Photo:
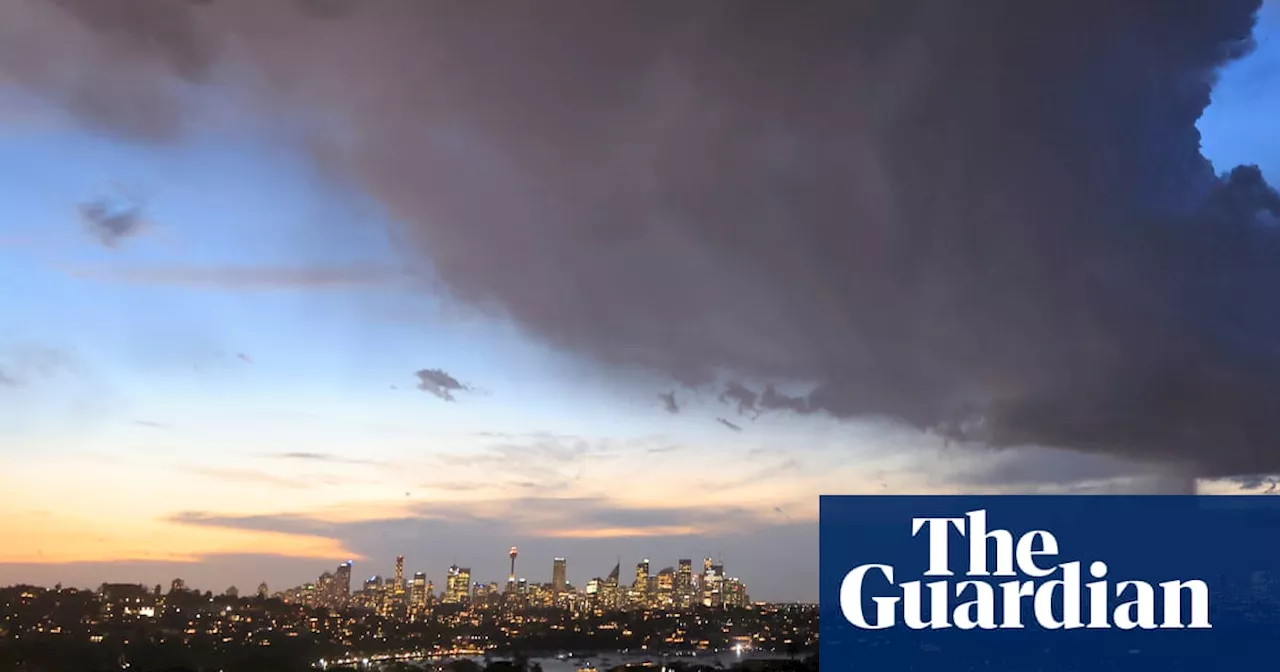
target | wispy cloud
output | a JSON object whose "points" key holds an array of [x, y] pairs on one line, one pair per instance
{"points": [[150, 423], [547, 517], [244, 278], [622, 532], [282, 523], [763, 474], [730, 425], [250, 476], [440, 383], [23, 364], [244, 358], [322, 457], [669, 403]]}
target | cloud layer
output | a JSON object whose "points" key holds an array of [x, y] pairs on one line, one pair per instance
{"points": [[992, 221]]}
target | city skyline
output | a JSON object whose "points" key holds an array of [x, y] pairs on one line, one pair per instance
{"points": [[348, 573], [250, 331]]}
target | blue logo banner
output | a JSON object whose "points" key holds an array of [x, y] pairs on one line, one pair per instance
{"points": [[1048, 583]]}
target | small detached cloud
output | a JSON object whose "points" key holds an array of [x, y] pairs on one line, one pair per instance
{"points": [[440, 383], [7, 380], [669, 403], [730, 425], [111, 221], [244, 358]]}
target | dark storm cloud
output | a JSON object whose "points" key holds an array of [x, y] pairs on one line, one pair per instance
{"points": [[989, 219], [439, 383], [1038, 469], [111, 222]]}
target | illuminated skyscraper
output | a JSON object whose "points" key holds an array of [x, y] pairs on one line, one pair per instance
{"points": [[684, 583], [712, 578], [342, 583], [665, 587], [640, 586], [642, 575], [733, 593], [511, 578], [398, 589], [418, 593], [458, 585], [558, 577], [325, 593]]}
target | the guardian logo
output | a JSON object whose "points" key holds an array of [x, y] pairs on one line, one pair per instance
{"points": [[1054, 590]]}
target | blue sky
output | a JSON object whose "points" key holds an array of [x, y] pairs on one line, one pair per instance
{"points": [[195, 400]]}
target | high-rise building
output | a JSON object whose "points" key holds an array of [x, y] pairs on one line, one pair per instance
{"points": [[558, 576], [665, 587], [342, 583], [733, 593], [611, 597], [325, 593], [642, 575], [398, 588], [511, 578], [684, 583], [458, 585], [418, 593], [712, 578], [640, 586]]}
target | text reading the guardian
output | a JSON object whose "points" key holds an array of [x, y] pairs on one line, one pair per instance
{"points": [[1049, 583], [1031, 555]]}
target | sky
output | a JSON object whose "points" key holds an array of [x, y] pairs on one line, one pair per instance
{"points": [[222, 358]]}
